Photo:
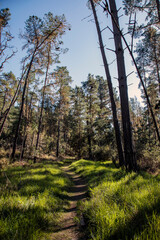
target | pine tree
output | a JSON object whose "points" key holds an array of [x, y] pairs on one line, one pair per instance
{"points": [[108, 76], [77, 125], [90, 89], [36, 36], [62, 80]]}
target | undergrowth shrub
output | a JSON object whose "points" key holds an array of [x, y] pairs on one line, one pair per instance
{"points": [[150, 160]]}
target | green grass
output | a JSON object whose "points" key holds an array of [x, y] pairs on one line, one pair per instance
{"points": [[121, 205], [32, 199]]}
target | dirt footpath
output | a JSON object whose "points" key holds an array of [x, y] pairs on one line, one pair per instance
{"points": [[69, 230]]}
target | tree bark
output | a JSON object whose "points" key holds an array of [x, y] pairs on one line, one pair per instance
{"points": [[139, 75], [4, 102], [22, 104], [42, 106], [58, 139], [108, 76], [157, 65], [27, 121], [89, 140], [130, 160], [158, 9], [11, 104]]}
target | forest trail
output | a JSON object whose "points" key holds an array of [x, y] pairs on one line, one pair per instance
{"points": [[68, 229]]}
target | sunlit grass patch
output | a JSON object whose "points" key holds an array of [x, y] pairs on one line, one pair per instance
{"points": [[31, 200], [122, 205]]}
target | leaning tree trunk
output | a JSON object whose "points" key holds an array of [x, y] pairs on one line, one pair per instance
{"points": [[22, 105], [157, 65], [158, 9], [11, 104], [111, 94], [42, 106], [24, 88], [130, 160], [138, 72]]}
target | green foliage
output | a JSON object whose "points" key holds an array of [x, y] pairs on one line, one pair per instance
{"points": [[122, 205], [31, 200], [4, 17]]}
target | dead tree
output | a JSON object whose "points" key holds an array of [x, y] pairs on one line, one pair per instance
{"points": [[108, 76]]}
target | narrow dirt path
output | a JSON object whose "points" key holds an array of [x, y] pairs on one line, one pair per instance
{"points": [[69, 230]]}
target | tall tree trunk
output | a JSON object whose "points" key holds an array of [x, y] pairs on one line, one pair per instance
{"points": [[158, 9], [23, 146], [0, 36], [130, 160], [108, 76], [58, 139], [4, 102], [157, 65], [22, 105], [38, 45], [138, 72], [79, 141], [11, 104], [89, 140], [42, 105], [27, 121]]}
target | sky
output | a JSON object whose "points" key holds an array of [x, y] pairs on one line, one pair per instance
{"points": [[83, 56]]}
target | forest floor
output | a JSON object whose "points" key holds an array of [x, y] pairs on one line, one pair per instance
{"points": [[69, 229]]}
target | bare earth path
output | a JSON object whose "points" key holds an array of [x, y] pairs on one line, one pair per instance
{"points": [[69, 230]]}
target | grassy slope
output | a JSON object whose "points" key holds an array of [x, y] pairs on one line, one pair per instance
{"points": [[31, 200], [122, 205]]}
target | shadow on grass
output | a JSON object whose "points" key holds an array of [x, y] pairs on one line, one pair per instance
{"points": [[20, 224], [137, 224], [97, 176], [27, 216], [141, 219]]}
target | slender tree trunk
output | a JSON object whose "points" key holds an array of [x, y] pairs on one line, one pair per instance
{"points": [[24, 88], [4, 102], [139, 75], [11, 104], [42, 105], [23, 146], [27, 121], [157, 66], [22, 105], [89, 141], [25, 128], [58, 139], [108, 76], [79, 142], [158, 9], [0, 37], [130, 160]]}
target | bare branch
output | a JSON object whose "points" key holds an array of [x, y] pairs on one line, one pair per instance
{"points": [[86, 17], [132, 37], [6, 59], [110, 50], [129, 74], [112, 62], [104, 29]]}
